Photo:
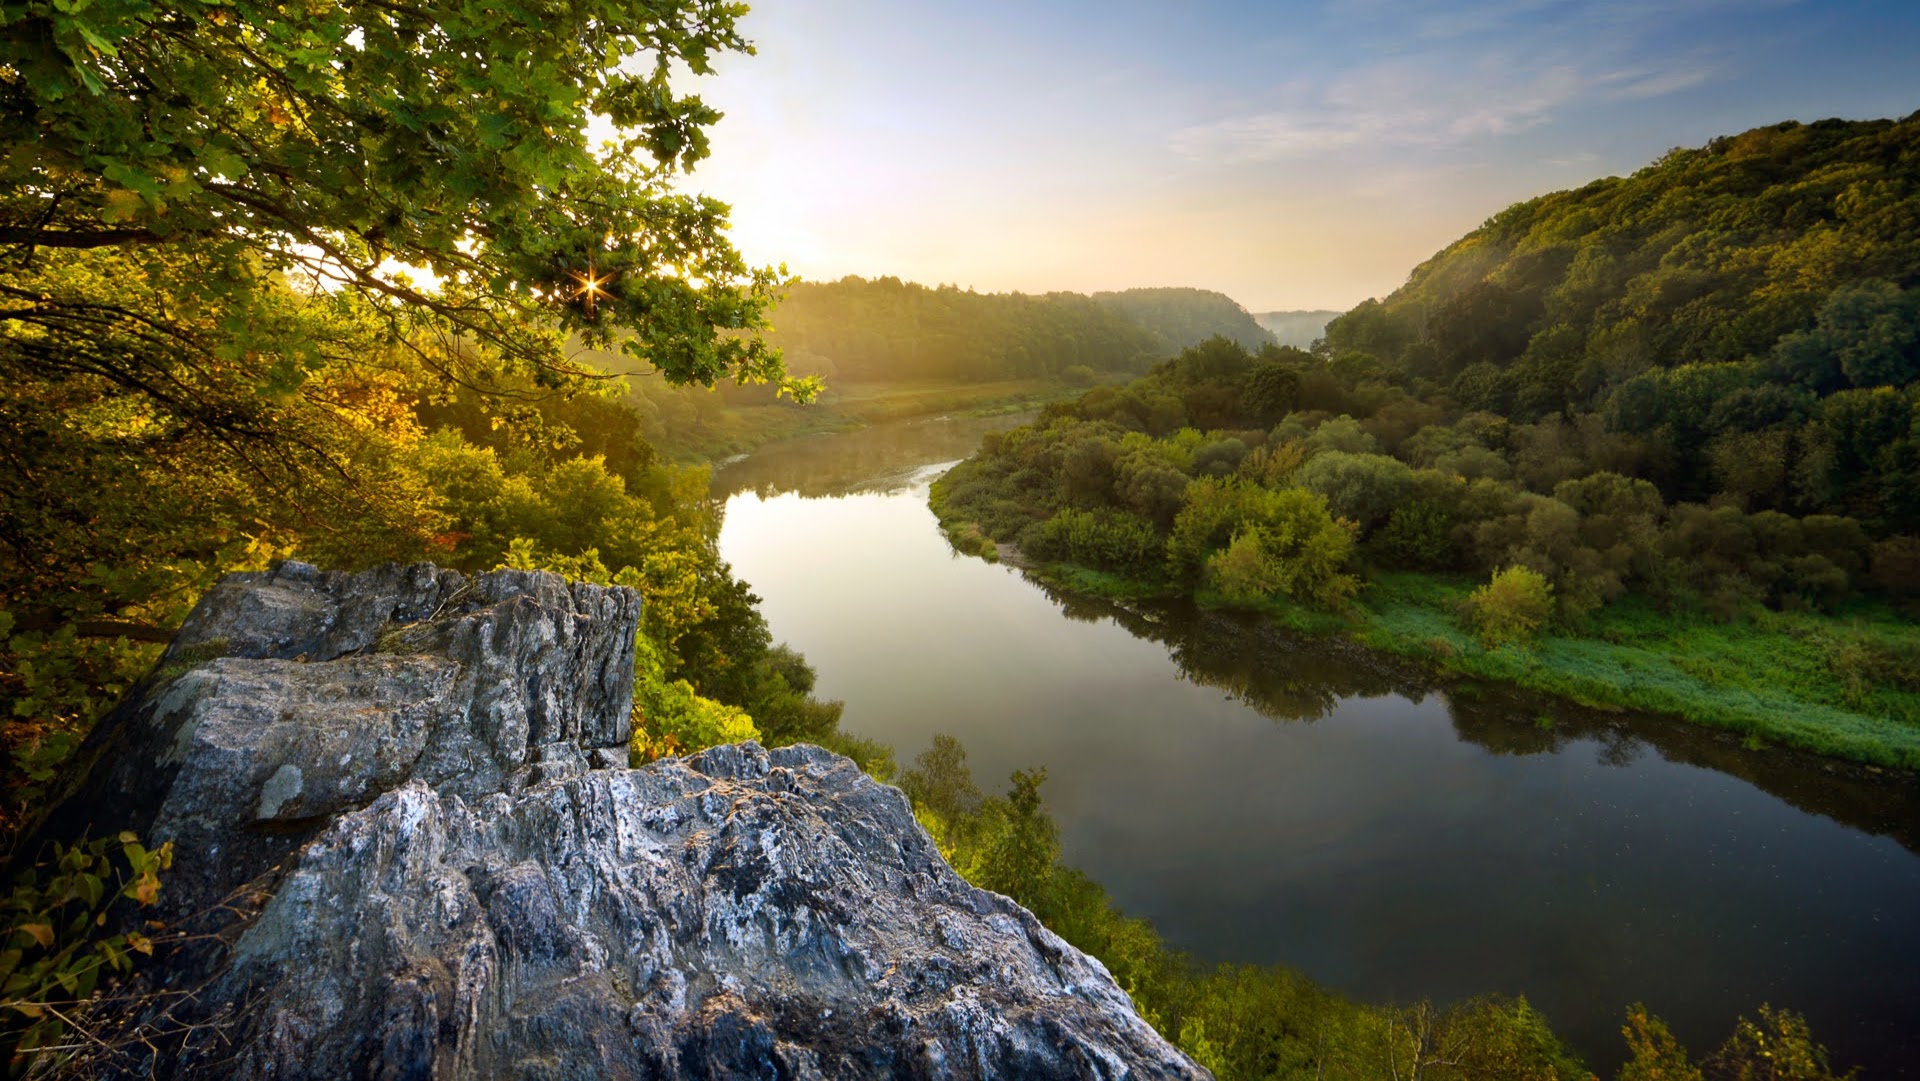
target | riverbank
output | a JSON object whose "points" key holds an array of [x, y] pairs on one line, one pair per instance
{"points": [[1843, 685], [712, 427]]}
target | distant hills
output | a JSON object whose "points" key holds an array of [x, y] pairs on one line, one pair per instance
{"points": [[865, 330], [1298, 329], [1185, 317]]}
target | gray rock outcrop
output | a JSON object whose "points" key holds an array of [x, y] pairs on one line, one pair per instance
{"points": [[409, 848]]}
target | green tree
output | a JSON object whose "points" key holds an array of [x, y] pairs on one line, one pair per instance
{"points": [[332, 140], [1363, 487], [1019, 860], [1653, 1053], [1777, 1047], [240, 242], [1291, 545], [1512, 606]]}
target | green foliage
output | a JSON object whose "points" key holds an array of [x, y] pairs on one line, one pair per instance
{"points": [[1275, 542], [1653, 1053], [1211, 513], [1777, 1047], [671, 718], [1418, 535], [1363, 488], [329, 139], [1295, 549], [1104, 538], [57, 953], [1511, 607]]}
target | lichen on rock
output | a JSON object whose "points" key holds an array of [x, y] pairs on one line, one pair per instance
{"points": [[418, 776]]}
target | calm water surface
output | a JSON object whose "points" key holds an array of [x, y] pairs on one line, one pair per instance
{"points": [[1263, 799]]}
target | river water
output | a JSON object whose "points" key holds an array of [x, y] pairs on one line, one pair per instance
{"points": [[1266, 799]]}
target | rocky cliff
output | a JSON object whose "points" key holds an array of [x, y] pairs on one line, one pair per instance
{"points": [[408, 847]]}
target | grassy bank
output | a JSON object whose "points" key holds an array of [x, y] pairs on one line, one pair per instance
{"points": [[1831, 684], [1844, 685]]}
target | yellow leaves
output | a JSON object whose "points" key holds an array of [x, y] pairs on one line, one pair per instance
{"points": [[41, 933], [145, 888], [378, 401], [262, 550], [122, 205]]}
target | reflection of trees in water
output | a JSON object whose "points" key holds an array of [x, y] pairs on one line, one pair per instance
{"points": [[883, 458], [1288, 678], [1282, 678], [1507, 721]]}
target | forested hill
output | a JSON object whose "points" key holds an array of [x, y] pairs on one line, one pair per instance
{"points": [[1752, 301], [1187, 317], [1649, 409], [857, 329]]}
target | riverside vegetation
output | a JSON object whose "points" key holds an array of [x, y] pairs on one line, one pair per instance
{"points": [[1654, 443], [210, 366]]}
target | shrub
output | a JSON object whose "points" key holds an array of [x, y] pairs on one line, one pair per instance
{"points": [[57, 954], [1418, 536], [1363, 487], [1291, 546], [1104, 538], [1512, 606]]}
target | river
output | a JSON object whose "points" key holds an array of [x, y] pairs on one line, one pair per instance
{"points": [[1266, 799]]}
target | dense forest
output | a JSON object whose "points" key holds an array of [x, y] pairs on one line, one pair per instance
{"points": [[1669, 424]]}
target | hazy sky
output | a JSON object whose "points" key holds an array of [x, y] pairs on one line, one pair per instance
{"points": [[1291, 155]]}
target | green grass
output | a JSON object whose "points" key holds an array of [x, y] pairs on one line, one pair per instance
{"points": [[1098, 583], [1772, 675]]}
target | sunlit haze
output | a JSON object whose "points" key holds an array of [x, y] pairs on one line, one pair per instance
{"points": [[1289, 155]]}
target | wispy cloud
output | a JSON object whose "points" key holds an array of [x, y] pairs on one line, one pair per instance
{"points": [[1420, 103], [1632, 85]]}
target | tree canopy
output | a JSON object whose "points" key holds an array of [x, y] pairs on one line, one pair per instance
{"points": [[340, 141]]}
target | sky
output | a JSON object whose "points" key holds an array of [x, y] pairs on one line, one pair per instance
{"points": [[1291, 155]]}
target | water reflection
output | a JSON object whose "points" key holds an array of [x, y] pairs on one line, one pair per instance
{"points": [[1288, 677], [883, 458]]}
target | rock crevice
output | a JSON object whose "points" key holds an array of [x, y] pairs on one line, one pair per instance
{"points": [[420, 775]]}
